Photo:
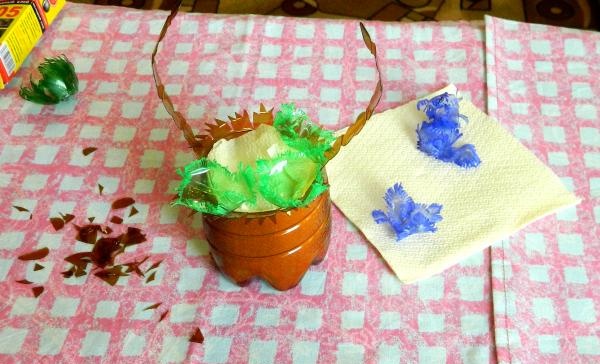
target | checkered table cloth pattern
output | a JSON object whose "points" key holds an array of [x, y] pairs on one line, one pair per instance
{"points": [[542, 85], [348, 309]]}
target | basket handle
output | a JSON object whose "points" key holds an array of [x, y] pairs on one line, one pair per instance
{"points": [[178, 118], [361, 120], [198, 148]]}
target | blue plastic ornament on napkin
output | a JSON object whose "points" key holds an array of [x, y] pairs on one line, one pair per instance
{"points": [[437, 136], [405, 216]]}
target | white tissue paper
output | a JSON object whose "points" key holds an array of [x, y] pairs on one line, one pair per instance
{"points": [[262, 143]]}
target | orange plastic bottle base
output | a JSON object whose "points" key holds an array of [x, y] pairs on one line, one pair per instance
{"points": [[278, 248]]}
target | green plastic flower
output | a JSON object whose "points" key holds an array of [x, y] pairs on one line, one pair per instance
{"points": [[269, 176], [208, 187], [290, 180], [300, 133], [58, 83]]}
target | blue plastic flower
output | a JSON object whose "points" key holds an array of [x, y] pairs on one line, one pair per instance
{"points": [[437, 136], [442, 108], [405, 216]]}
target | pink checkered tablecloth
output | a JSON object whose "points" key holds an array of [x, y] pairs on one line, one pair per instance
{"points": [[348, 309], [542, 84]]}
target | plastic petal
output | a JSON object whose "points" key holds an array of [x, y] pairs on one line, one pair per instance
{"points": [[466, 156], [379, 216]]}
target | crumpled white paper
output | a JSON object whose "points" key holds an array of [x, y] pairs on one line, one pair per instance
{"points": [[262, 143]]}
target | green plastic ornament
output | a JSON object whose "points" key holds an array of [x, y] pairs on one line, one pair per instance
{"points": [[300, 133], [58, 83], [208, 187], [290, 180]]}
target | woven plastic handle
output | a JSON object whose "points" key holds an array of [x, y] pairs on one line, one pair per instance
{"points": [[361, 120], [178, 118]]}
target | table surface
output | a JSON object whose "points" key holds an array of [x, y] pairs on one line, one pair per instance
{"points": [[546, 309], [348, 309]]}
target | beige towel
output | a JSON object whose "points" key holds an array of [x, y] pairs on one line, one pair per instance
{"points": [[510, 189]]}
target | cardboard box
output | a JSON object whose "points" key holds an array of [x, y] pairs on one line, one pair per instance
{"points": [[22, 23]]}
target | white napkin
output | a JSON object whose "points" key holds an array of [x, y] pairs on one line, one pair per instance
{"points": [[510, 189]]}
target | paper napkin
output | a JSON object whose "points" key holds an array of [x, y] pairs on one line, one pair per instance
{"points": [[510, 189]]}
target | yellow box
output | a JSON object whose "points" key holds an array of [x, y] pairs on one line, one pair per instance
{"points": [[22, 23]]}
